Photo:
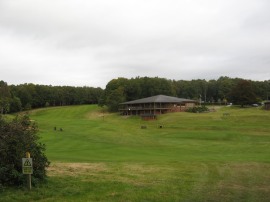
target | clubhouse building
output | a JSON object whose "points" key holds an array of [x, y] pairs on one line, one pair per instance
{"points": [[152, 106]]}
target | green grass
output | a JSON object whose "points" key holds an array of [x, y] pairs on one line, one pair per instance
{"points": [[193, 157]]}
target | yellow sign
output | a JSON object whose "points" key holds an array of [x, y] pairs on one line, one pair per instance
{"points": [[27, 170], [27, 166]]}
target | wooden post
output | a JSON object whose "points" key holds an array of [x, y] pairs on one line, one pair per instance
{"points": [[28, 175]]}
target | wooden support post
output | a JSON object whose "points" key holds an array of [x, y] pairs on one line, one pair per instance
{"points": [[28, 175]]}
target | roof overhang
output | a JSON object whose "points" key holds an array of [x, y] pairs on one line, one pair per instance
{"points": [[160, 99]]}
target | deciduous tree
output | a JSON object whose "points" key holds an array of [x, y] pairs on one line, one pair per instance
{"points": [[243, 93], [16, 138]]}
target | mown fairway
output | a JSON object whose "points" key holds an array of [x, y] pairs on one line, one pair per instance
{"points": [[218, 156]]}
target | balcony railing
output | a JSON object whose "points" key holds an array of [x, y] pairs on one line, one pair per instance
{"points": [[144, 108]]}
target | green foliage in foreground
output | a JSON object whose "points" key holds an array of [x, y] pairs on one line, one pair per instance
{"points": [[16, 138], [219, 156]]}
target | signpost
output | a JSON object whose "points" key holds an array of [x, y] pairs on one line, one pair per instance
{"points": [[27, 168]]}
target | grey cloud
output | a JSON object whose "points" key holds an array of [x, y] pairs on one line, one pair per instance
{"points": [[90, 42]]}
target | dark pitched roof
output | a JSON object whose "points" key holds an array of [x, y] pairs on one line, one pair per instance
{"points": [[159, 99]]}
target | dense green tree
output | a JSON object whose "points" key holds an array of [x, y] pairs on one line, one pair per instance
{"points": [[16, 138], [24, 94], [262, 89], [199, 88], [15, 105], [224, 84], [212, 91], [266, 93], [243, 93], [5, 97], [114, 98], [183, 89], [155, 86], [115, 93], [115, 84], [133, 89]]}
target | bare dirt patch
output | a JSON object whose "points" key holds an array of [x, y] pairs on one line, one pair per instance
{"points": [[135, 174], [97, 115], [71, 169]]}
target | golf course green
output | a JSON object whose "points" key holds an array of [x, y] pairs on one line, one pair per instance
{"points": [[223, 155]]}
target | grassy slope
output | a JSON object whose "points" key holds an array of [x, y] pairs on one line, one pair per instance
{"points": [[193, 157], [242, 136]]}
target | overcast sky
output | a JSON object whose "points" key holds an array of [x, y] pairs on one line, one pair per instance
{"points": [[90, 42]]}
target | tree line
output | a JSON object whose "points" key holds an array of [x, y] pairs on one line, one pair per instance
{"points": [[220, 91], [14, 98]]}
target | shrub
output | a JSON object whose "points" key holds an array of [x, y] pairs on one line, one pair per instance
{"points": [[16, 138], [199, 109]]}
